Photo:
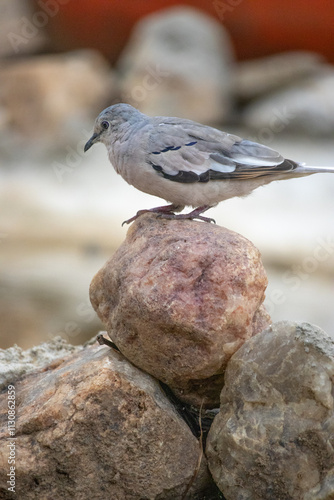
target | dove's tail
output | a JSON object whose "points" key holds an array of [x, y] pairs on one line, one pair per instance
{"points": [[303, 169]]}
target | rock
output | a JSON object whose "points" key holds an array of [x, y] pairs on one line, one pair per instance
{"points": [[304, 108], [57, 91], [273, 437], [94, 426], [16, 363], [173, 59], [256, 77], [179, 298], [261, 320]]}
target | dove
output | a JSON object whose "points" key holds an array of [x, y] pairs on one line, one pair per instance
{"points": [[187, 163]]}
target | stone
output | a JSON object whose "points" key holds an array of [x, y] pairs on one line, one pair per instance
{"points": [[306, 107], [256, 77], [16, 363], [56, 90], [261, 320], [94, 426], [177, 63], [180, 297], [273, 437]]}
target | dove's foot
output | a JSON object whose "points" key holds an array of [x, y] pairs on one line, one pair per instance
{"points": [[166, 210], [195, 214]]}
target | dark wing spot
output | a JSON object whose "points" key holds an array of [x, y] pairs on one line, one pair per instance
{"points": [[168, 148], [205, 177], [182, 176], [156, 167], [172, 148]]}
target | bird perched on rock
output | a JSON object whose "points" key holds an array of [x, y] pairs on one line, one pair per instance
{"points": [[186, 163]]}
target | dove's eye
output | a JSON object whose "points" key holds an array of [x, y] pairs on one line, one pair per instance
{"points": [[105, 125]]}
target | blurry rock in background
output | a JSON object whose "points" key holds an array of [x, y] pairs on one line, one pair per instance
{"points": [[43, 294], [178, 62], [49, 99], [256, 77], [305, 107], [18, 34]]}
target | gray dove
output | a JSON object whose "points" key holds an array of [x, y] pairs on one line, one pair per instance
{"points": [[186, 163]]}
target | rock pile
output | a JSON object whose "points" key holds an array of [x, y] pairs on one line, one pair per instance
{"points": [[182, 301]]}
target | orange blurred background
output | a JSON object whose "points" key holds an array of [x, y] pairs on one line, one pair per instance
{"points": [[257, 28]]}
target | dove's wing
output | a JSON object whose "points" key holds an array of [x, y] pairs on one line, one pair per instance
{"points": [[184, 151]]}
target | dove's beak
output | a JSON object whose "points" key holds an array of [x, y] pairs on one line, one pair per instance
{"points": [[91, 141]]}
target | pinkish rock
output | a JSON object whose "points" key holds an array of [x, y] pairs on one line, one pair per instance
{"points": [[179, 298]]}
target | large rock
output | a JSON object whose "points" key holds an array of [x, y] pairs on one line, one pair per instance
{"points": [[177, 63], [273, 437], [92, 426], [179, 298]]}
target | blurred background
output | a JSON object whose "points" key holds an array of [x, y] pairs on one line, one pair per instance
{"points": [[263, 70]]}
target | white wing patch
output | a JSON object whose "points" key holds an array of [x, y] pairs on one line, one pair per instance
{"points": [[256, 161], [219, 167]]}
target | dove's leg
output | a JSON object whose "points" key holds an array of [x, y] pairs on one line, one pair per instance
{"points": [[165, 210]]}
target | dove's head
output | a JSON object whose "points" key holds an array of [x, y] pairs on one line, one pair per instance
{"points": [[110, 121]]}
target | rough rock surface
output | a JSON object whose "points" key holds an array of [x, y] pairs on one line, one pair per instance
{"points": [[93, 426], [179, 298], [177, 63], [274, 436], [15, 363]]}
